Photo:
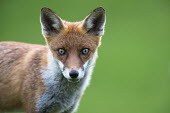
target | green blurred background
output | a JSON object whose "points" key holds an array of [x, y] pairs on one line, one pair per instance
{"points": [[132, 74]]}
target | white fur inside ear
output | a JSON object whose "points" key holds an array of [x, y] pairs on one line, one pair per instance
{"points": [[95, 23], [56, 26], [44, 32], [57, 23], [51, 24], [89, 23]]}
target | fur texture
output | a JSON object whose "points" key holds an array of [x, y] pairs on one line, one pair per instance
{"points": [[62, 95], [36, 78]]}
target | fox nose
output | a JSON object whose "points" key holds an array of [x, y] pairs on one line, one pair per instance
{"points": [[74, 74]]}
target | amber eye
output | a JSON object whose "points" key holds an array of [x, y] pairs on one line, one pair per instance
{"points": [[61, 51], [85, 51]]}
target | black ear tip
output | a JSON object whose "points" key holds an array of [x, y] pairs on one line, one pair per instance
{"points": [[44, 9], [99, 9]]}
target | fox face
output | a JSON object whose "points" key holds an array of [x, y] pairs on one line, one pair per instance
{"points": [[73, 44]]}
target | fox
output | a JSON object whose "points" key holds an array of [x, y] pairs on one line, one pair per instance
{"points": [[51, 78]]}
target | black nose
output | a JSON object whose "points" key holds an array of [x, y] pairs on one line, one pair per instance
{"points": [[74, 74]]}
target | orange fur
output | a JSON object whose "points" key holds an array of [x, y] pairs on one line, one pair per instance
{"points": [[15, 61], [20, 64], [73, 38], [21, 83]]}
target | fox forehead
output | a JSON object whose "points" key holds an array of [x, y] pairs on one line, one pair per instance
{"points": [[73, 40], [73, 36]]}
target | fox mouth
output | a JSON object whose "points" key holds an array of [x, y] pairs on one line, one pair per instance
{"points": [[73, 80]]}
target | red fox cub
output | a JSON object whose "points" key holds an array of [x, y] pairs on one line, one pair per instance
{"points": [[52, 78]]}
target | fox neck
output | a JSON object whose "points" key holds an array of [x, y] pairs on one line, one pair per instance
{"points": [[58, 89]]}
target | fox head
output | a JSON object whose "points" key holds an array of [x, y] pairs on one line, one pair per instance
{"points": [[73, 44]]}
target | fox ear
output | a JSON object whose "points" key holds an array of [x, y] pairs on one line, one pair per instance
{"points": [[94, 23], [51, 24]]}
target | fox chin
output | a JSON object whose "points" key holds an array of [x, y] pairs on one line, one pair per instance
{"points": [[51, 78]]}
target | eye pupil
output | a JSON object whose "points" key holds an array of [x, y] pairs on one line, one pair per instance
{"points": [[85, 51], [61, 51]]}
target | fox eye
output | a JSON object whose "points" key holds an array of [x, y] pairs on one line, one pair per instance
{"points": [[61, 51], [85, 51]]}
